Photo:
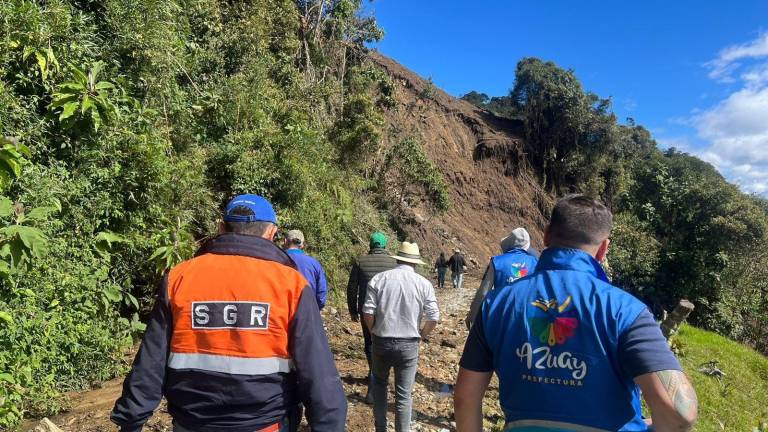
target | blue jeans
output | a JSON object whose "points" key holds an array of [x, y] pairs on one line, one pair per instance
{"points": [[458, 279], [403, 356], [441, 271]]}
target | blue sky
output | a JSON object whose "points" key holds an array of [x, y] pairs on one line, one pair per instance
{"points": [[693, 72]]}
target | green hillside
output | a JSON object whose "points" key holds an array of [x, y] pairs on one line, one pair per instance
{"points": [[738, 402]]}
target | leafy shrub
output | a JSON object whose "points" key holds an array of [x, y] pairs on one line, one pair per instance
{"points": [[634, 256], [415, 174]]}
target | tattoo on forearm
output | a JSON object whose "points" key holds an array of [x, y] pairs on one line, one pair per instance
{"points": [[680, 392]]}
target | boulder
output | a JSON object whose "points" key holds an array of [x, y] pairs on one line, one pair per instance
{"points": [[46, 425]]}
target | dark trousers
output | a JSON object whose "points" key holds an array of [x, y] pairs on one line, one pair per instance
{"points": [[368, 345], [441, 271], [290, 422]]}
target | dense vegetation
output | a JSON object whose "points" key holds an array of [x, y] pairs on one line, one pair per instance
{"points": [[126, 125], [682, 231]]}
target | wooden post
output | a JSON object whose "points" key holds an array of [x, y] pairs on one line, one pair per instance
{"points": [[673, 321]]}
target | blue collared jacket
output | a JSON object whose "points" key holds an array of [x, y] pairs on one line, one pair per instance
{"points": [[313, 272], [555, 336]]}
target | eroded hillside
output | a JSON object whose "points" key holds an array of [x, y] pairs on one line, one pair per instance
{"points": [[481, 156]]}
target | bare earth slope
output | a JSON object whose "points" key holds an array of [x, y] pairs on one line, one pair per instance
{"points": [[482, 158]]}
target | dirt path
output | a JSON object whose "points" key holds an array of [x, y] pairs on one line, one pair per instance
{"points": [[433, 408]]}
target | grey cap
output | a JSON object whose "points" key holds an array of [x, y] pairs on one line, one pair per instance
{"points": [[295, 236], [517, 239]]}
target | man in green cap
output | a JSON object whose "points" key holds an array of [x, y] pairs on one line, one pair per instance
{"points": [[364, 269]]}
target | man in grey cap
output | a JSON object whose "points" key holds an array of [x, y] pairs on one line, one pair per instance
{"points": [[516, 261], [308, 266]]}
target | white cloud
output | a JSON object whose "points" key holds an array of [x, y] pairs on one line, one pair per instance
{"points": [[736, 128], [756, 76], [727, 61]]}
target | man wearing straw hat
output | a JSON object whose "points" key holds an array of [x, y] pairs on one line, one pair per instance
{"points": [[396, 303]]}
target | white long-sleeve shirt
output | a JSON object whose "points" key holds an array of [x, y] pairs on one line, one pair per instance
{"points": [[399, 299]]}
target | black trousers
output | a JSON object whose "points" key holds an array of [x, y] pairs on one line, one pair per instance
{"points": [[368, 345]]}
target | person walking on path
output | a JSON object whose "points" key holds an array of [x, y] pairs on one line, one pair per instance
{"points": [[363, 270], [514, 263], [571, 351], [441, 265], [396, 303], [235, 340], [458, 266], [308, 266]]}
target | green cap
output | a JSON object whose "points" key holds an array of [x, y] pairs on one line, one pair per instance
{"points": [[378, 240]]}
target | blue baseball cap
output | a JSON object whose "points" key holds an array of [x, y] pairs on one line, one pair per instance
{"points": [[261, 208]]}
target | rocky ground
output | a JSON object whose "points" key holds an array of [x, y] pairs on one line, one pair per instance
{"points": [[433, 402]]}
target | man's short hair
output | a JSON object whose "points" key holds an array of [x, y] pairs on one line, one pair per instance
{"points": [[257, 228], [580, 220]]}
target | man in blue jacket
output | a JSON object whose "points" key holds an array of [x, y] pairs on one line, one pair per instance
{"points": [[516, 261], [308, 266], [571, 351]]}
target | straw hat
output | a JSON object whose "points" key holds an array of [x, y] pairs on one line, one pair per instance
{"points": [[409, 252]]}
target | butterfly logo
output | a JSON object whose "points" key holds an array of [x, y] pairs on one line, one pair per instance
{"points": [[553, 322]]}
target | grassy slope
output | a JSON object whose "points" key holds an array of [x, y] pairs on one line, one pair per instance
{"points": [[740, 402]]}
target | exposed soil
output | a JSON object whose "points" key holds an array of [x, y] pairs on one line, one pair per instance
{"points": [[432, 410], [483, 159]]}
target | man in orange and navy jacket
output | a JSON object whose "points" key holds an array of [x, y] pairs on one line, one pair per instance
{"points": [[235, 341]]}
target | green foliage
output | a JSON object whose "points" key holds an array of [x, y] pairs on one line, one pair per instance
{"points": [[574, 138], [429, 91], [635, 255], [142, 118], [85, 99], [357, 133], [475, 98], [414, 175], [701, 224], [21, 243], [12, 157], [502, 106]]}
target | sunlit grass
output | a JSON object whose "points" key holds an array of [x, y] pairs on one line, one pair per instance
{"points": [[738, 402]]}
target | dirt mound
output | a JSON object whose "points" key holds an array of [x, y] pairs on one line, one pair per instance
{"points": [[482, 157]]}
